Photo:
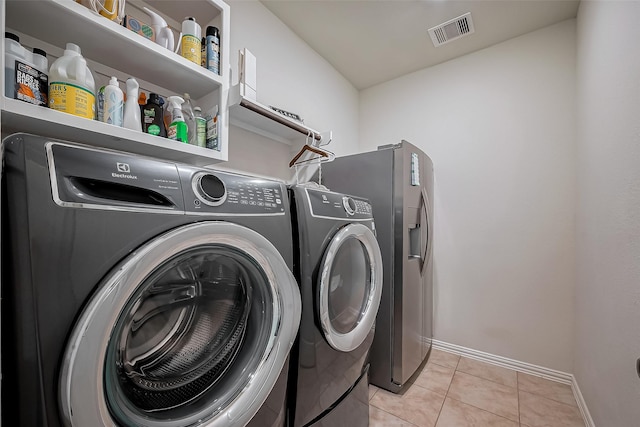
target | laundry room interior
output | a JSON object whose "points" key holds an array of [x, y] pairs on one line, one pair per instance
{"points": [[529, 126]]}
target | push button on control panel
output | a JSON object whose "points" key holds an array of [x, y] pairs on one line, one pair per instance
{"points": [[363, 207]]}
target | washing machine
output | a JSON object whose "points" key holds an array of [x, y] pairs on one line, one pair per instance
{"points": [[141, 292], [338, 264]]}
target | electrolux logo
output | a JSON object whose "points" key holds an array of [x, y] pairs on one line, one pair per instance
{"points": [[125, 171]]}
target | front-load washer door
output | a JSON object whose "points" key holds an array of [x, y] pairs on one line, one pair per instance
{"points": [[350, 286], [192, 329]]}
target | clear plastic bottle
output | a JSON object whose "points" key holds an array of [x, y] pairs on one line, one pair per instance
{"points": [[190, 119], [201, 128]]}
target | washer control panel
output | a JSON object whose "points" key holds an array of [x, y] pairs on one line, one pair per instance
{"points": [[225, 192], [337, 205]]}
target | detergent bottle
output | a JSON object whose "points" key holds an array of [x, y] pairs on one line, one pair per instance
{"points": [[178, 128], [113, 107], [190, 43], [72, 88], [164, 35], [131, 108]]}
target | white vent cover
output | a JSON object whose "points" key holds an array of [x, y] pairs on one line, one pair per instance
{"points": [[452, 30]]}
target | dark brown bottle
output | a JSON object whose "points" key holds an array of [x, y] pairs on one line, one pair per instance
{"points": [[152, 122]]}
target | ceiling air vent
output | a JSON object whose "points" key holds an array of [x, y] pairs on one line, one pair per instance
{"points": [[452, 30]]}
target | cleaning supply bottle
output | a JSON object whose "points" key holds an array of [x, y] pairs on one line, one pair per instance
{"points": [[25, 73], [201, 127], [203, 53], [190, 119], [164, 35], [131, 107], [212, 130], [71, 85], [34, 82], [113, 107], [213, 49], [13, 51], [190, 43], [152, 122], [178, 128]]}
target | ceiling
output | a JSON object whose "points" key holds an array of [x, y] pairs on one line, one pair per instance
{"points": [[373, 41]]}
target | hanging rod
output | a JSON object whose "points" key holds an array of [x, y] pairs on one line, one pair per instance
{"points": [[267, 112]]}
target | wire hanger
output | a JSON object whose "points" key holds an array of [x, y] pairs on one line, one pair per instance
{"points": [[309, 146]]}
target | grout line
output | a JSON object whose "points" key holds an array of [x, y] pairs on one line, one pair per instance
{"points": [[484, 410], [446, 395], [394, 415], [495, 382]]}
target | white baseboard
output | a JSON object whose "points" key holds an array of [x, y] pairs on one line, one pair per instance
{"points": [[527, 368]]}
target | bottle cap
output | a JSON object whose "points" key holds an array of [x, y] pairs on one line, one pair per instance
{"points": [[142, 98], [197, 109], [213, 31], [39, 52], [73, 48], [190, 18], [114, 82], [154, 98], [8, 35]]}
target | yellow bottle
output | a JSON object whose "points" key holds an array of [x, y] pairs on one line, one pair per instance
{"points": [[71, 85], [190, 43]]}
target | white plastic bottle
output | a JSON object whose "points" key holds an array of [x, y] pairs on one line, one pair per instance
{"points": [[132, 118], [164, 35], [113, 110], [191, 43], [71, 85]]}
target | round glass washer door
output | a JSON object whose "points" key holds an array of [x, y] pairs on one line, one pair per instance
{"points": [[350, 287], [192, 329]]}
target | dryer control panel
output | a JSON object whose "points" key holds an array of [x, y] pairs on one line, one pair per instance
{"points": [[209, 191], [337, 205]]}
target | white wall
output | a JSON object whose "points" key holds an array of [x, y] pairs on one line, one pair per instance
{"points": [[291, 76], [608, 211], [499, 126]]}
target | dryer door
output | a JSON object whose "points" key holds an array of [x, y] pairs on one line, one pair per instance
{"points": [[350, 287], [192, 329]]}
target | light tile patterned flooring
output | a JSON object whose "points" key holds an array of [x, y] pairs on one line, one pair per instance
{"points": [[454, 391]]}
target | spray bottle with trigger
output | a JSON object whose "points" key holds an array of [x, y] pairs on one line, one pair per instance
{"points": [[178, 128], [164, 35]]}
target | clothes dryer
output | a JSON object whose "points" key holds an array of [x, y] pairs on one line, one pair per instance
{"points": [[339, 269], [141, 292]]}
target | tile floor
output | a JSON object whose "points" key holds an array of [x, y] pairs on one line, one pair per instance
{"points": [[454, 391]]}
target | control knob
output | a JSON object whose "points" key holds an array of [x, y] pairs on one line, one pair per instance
{"points": [[349, 205], [209, 189]]}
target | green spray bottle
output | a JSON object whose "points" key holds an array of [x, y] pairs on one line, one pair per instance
{"points": [[178, 127]]}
